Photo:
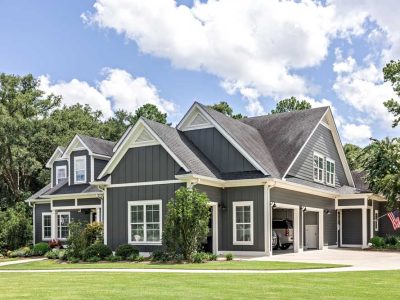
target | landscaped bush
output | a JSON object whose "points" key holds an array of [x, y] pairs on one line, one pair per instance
{"points": [[40, 248], [15, 227], [113, 258], [126, 251], [200, 257], [229, 256], [159, 255], [93, 259], [97, 250], [93, 233], [21, 252], [56, 254], [377, 242], [76, 241], [186, 224], [391, 240]]}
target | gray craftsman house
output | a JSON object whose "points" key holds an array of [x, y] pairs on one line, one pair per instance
{"points": [[288, 166]]}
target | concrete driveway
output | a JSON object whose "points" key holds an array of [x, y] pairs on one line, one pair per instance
{"points": [[360, 259]]}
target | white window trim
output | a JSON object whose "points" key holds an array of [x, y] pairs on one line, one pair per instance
{"points": [[85, 164], [334, 171], [376, 219], [144, 203], [59, 214], [323, 167], [61, 167], [43, 215], [243, 203]]}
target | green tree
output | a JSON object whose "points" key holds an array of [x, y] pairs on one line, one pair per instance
{"points": [[381, 161], [186, 224], [114, 127], [290, 104], [22, 110], [391, 73], [149, 111], [224, 107], [353, 155]]}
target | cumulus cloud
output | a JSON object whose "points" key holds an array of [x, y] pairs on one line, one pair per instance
{"points": [[255, 45], [356, 134], [118, 90]]}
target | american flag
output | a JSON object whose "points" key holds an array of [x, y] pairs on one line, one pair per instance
{"points": [[394, 217]]}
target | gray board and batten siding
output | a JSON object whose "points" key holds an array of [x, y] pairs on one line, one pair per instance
{"points": [[99, 165], [72, 165], [322, 142], [219, 150]]}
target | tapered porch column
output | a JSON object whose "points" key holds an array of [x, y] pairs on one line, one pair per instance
{"points": [[53, 224]]}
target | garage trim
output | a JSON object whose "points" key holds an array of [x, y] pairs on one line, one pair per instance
{"points": [[320, 212], [296, 224]]}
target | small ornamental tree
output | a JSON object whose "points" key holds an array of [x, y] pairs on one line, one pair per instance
{"points": [[186, 224]]}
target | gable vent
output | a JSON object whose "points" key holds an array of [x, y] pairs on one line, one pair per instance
{"points": [[199, 120], [145, 136]]}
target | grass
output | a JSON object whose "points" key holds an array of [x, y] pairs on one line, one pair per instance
{"points": [[7, 259], [80, 285], [217, 265]]}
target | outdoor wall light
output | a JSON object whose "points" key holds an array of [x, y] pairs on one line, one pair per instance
{"points": [[327, 211], [221, 205], [304, 208]]}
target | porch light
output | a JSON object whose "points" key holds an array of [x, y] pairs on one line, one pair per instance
{"points": [[327, 211], [273, 205], [304, 208], [221, 205]]}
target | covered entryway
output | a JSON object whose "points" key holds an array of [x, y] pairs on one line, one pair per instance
{"points": [[211, 245], [285, 228]]}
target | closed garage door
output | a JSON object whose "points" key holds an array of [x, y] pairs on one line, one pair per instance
{"points": [[351, 227]]}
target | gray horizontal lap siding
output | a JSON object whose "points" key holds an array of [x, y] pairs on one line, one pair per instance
{"points": [[322, 142], [99, 165], [88, 166], [151, 163], [219, 150], [295, 198], [117, 210], [57, 164]]}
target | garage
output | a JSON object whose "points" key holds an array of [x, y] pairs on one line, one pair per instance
{"points": [[285, 228]]}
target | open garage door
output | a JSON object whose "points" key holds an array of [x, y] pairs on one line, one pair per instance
{"points": [[285, 228]]}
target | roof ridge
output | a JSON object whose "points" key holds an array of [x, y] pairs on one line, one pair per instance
{"points": [[95, 138], [286, 113]]}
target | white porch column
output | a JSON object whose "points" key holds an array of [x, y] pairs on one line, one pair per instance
{"points": [[371, 221], [364, 228], [267, 221], [53, 224], [321, 230], [296, 229], [97, 214]]}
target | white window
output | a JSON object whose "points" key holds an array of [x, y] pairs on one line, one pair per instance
{"points": [[144, 222], [376, 220], [243, 223], [330, 171], [46, 226], [80, 169], [318, 167], [61, 173], [62, 225]]}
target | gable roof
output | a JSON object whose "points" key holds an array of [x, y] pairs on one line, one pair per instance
{"points": [[285, 134], [98, 146], [359, 180], [56, 154]]}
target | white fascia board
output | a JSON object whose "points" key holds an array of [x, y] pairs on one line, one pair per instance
{"points": [[71, 147], [59, 152], [72, 196], [225, 134], [339, 147], [302, 147], [122, 138], [136, 130]]}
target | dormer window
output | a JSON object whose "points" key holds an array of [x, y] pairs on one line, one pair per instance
{"points": [[330, 171], [318, 168], [61, 173], [80, 169]]}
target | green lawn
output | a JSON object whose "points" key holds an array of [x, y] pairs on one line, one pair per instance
{"points": [[218, 265], [347, 285], [7, 259]]}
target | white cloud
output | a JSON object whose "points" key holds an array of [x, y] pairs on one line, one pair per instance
{"points": [[118, 90], [248, 44], [356, 134]]}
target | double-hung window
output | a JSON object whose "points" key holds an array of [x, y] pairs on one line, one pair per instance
{"points": [[80, 169], [62, 225], [243, 223], [46, 226], [330, 171], [61, 173], [144, 222], [318, 167]]}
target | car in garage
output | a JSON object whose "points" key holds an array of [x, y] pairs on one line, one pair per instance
{"points": [[283, 229]]}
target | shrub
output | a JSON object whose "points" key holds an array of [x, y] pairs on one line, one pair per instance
{"points": [[21, 252], [113, 258], [140, 258], [93, 259], [93, 233], [73, 260], [159, 255], [229, 256], [40, 248], [55, 244], [126, 251], [186, 224], [391, 240], [212, 256], [199, 257], [97, 250], [76, 240], [15, 227], [377, 242], [56, 254]]}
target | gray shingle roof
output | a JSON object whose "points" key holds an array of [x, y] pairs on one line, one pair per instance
{"points": [[359, 181], [63, 188], [284, 134], [339, 190], [180, 145], [248, 137], [40, 192], [98, 146]]}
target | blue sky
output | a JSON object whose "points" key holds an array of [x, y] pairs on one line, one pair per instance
{"points": [[122, 54]]}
